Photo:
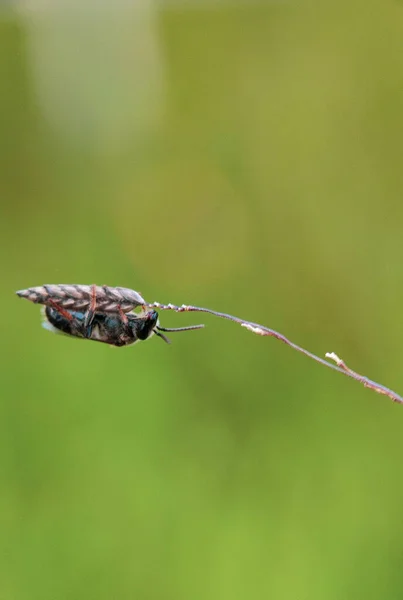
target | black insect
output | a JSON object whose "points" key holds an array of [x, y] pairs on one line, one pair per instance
{"points": [[109, 328], [98, 313]]}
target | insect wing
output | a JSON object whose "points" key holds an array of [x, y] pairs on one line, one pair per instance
{"points": [[78, 297]]}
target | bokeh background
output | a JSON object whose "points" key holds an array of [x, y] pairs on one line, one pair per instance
{"points": [[242, 156]]}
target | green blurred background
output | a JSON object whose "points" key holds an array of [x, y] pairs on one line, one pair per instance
{"points": [[243, 157]]}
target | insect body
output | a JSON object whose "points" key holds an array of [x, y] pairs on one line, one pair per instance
{"points": [[113, 327], [109, 328]]}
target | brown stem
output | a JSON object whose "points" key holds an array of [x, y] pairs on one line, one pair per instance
{"points": [[340, 366]]}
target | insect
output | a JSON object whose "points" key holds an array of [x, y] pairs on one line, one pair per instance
{"points": [[101, 321]]}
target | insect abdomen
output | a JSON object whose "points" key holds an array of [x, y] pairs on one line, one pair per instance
{"points": [[62, 323]]}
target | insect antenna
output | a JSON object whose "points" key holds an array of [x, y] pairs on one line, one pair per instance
{"points": [[162, 336], [188, 328]]}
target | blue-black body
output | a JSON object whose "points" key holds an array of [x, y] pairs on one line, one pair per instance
{"points": [[109, 328]]}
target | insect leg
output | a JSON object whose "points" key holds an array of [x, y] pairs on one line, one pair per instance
{"points": [[125, 322], [123, 315], [65, 313], [89, 315]]}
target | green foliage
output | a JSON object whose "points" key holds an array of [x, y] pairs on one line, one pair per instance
{"points": [[247, 159]]}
